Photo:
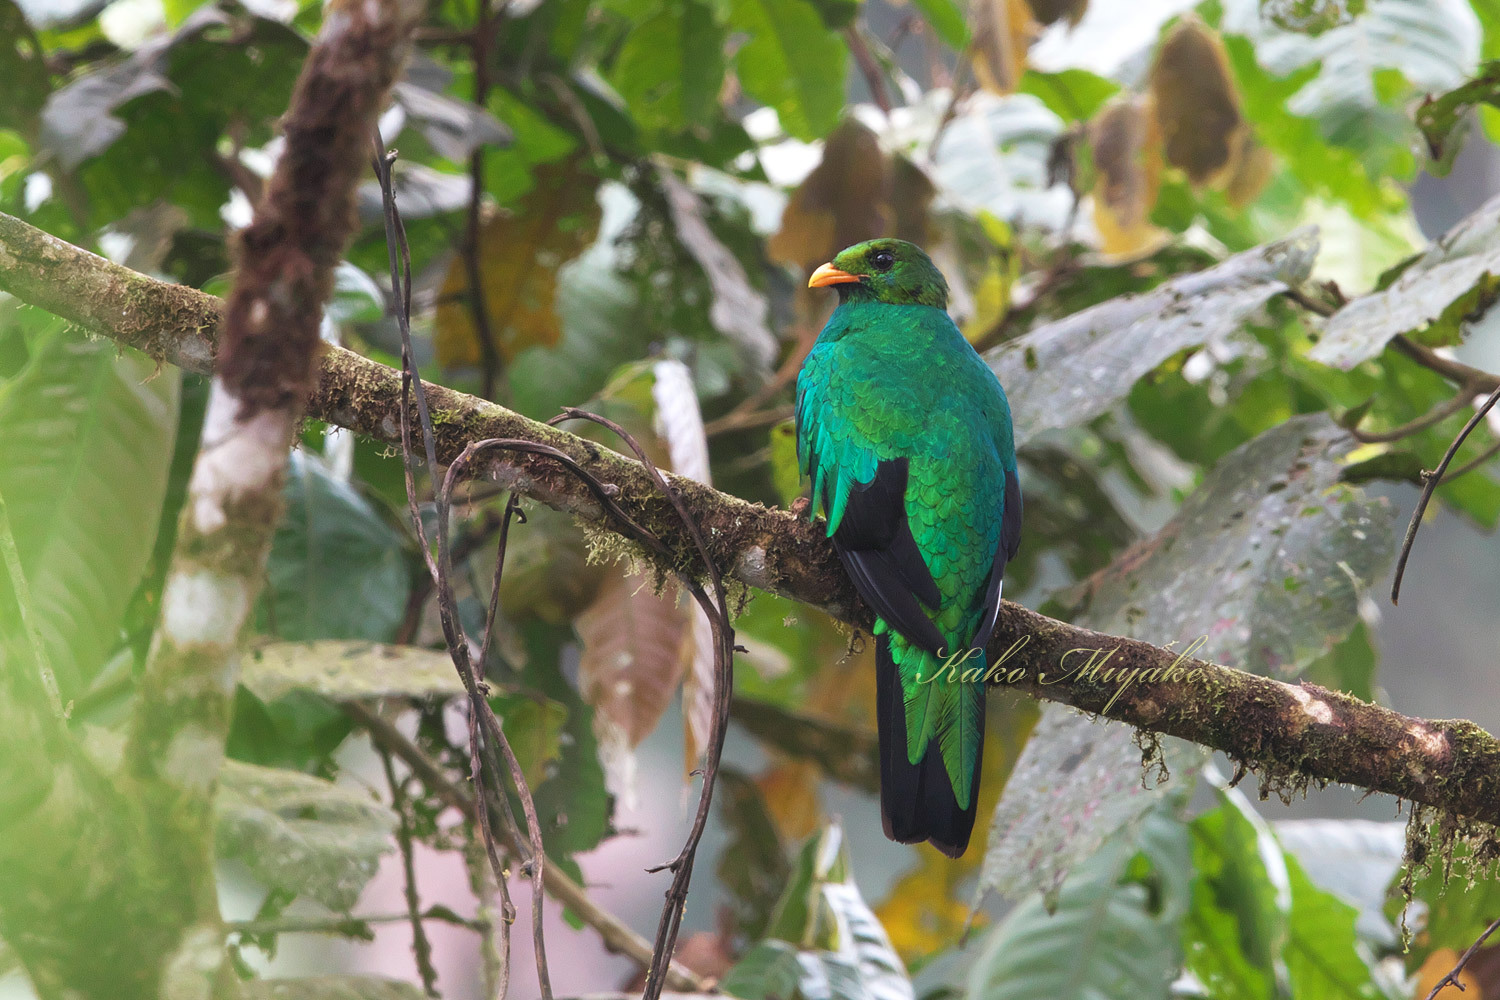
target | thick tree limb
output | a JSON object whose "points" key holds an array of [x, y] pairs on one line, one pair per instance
{"points": [[1291, 733]]}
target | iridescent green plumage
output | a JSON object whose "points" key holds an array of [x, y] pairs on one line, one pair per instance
{"points": [[906, 436]]}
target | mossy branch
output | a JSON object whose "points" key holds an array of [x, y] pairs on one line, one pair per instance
{"points": [[1292, 734]]}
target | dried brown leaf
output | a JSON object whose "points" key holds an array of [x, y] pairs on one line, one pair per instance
{"points": [[1052, 11], [1196, 106], [843, 201]]}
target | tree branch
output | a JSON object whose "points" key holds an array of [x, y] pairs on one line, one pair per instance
{"points": [[1290, 732]]}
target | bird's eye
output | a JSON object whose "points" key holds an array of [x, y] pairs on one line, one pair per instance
{"points": [[883, 261]]}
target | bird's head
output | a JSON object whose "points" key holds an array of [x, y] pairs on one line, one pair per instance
{"points": [[885, 270]]}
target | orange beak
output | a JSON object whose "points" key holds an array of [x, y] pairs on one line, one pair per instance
{"points": [[827, 274]]}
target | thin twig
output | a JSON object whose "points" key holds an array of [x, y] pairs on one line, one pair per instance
{"points": [[1442, 411], [1434, 479], [1452, 976], [1472, 464], [1455, 371], [868, 68], [441, 567], [617, 936], [720, 621], [421, 947]]}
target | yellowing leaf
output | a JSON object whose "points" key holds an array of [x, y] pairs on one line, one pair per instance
{"points": [[1127, 158], [1002, 31], [520, 254], [1252, 172], [1195, 103], [791, 793]]}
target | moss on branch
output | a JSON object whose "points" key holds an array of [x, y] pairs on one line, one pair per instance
{"points": [[1292, 734]]}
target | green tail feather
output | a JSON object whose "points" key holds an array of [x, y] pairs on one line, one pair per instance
{"points": [[942, 705]]}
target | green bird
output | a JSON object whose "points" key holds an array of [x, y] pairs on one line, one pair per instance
{"points": [[906, 435]]}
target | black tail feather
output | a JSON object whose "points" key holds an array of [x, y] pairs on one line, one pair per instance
{"points": [[916, 800]]}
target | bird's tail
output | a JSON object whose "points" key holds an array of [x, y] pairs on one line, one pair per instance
{"points": [[917, 801]]}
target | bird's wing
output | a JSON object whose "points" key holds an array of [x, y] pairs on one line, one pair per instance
{"points": [[875, 542]]}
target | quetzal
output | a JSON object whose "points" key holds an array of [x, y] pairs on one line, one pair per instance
{"points": [[906, 436]]}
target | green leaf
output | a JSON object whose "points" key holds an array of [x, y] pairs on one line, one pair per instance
{"points": [[337, 569], [1114, 931], [1075, 786], [1065, 373], [1324, 957], [24, 71], [302, 835], [1237, 925], [1428, 42], [1354, 860], [356, 296], [1439, 116], [1452, 283], [791, 62], [824, 942], [88, 430], [1074, 95], [348, 670], [671, 67], [533, 727], [752, 866]]}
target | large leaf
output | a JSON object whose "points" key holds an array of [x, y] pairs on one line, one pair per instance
{"points": [[1066, 373], [348, 669], [1113, 933], [1266, 561], [1237, 926], [994, 157], [636, 647], [88, 431], [671, 67], [1075, 786], [337, 569], [1263, 568], [302, 835], [790, 62], [1354, 859], [824, 941], [1454, 278], [1324, 957]]}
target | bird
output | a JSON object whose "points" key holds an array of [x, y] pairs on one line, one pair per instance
{"points": [[906, 436]]}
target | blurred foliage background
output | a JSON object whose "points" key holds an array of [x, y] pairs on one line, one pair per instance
{"points": [[1183, 233]]}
